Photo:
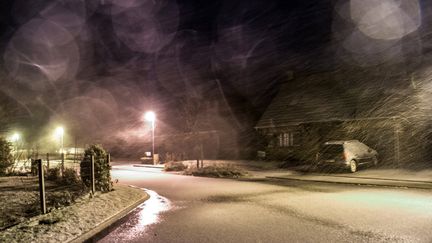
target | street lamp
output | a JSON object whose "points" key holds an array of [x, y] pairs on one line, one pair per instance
{"points": [[14, 139], [59, 133], [151, 117]]}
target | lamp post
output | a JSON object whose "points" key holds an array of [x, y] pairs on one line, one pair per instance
{"points": [[59, 133], [151, 117]]}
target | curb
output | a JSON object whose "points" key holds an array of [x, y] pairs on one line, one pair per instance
{"points": [[422, 185], [382, 179], [148, 166], [106, 226]]}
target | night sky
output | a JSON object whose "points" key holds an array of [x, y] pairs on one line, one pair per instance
{"points": [[96, 66]]}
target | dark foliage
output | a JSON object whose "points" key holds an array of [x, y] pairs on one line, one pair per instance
{"points": [[70, 177], [220, 171], [102, 168], [6, 158], [174, 166], [53, 174]]}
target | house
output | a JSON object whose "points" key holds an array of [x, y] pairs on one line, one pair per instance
{"points": [[385, 111]]}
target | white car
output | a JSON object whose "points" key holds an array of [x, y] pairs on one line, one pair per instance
{"points": [[349, 154]]}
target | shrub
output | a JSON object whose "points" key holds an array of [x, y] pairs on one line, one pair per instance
{"points": [[70, 177], [102, 168], [64, 196], [174, 166], [53, 174], [219, 171], [6, 158], [60, 199]]}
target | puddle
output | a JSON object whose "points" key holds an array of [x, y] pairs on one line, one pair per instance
{"points": [[136, 224]]}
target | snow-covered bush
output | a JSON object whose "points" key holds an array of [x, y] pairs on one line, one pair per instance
{"points": [[102, 168], [6, 158], [70, 177], [218, 171], [175, 166]]}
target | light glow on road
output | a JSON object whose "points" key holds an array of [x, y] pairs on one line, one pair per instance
{"points": [[151, 209], [141, 218]]}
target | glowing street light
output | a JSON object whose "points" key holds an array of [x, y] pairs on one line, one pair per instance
{"points": [[59, 134], [151, 117], [15, 137]]}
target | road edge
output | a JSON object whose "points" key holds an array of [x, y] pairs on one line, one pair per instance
{"points": [[105, 225], [422, 186]]}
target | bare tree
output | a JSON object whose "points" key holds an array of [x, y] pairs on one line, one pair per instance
{"points": [[193, 112]]}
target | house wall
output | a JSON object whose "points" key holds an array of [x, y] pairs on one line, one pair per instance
{"points": [[416, 144], [377, 134]]}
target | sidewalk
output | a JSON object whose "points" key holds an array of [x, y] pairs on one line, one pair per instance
{"points": [[368, 177]]}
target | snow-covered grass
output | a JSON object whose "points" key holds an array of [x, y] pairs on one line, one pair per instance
{"points": [[218, 171], [18, 199], [222, 168], [63, 224], [174, 166], [249, 165]]}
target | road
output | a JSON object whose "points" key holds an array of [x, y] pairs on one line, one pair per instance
{"points": [[193, 209]]}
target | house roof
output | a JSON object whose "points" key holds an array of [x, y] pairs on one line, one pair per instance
{"points": [[322, 98]]}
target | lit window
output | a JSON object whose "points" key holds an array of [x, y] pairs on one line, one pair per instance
{"points": [[286, 139]]}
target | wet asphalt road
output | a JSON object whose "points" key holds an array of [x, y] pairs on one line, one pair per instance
{"points": [[193, 209]]}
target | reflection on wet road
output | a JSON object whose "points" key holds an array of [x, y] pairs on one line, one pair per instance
{"points": [[136, 224]]}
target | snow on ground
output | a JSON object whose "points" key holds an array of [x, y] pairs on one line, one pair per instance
{"points": [[244, 164], [65, 224]]}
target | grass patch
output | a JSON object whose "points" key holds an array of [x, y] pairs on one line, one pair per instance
{"points": [[19, 198], [218, 171], [67, 223]]}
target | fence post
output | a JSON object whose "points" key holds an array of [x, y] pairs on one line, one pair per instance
{"points": [[48, 165], [108, 159], [62, 164], [33, 166], [41, 186], [92, 171]]}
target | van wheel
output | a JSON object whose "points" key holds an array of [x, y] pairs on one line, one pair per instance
{"points": [[353, 166]]}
